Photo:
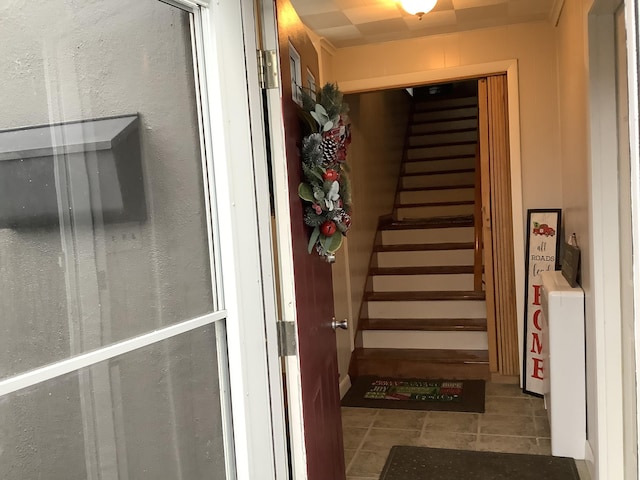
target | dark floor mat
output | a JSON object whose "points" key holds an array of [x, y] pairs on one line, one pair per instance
{"points": [[416, 394], [419, 463]]}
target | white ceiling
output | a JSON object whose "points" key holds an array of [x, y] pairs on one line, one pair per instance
{"points": [[348, 23]]}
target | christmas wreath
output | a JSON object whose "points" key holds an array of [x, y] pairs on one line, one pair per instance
{"points": [[326, 188]]}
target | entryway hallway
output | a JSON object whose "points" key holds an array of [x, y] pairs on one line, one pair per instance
{"points": [[513, 422]]}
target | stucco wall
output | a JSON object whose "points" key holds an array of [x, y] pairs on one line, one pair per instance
{"points": [[378, 122], [73, 289]]}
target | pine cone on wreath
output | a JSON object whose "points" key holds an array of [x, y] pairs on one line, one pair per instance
{"points": [[312, 149], [329, 151]]}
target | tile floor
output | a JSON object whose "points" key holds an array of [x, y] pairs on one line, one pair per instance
{"points": [[512, 422]]}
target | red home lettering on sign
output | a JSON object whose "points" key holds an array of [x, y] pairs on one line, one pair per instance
{"points": [[537, 368], [536, 344]]}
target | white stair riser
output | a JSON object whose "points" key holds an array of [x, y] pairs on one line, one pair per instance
{"points": [[428, 235], [425, 340], [439, 180], [435, 211], [445, 114], [449, 150], [423, 283], [446, 102], [443, 126], [434, 139], [431, 196], [428, 258], [428, 309], [440, 165]]}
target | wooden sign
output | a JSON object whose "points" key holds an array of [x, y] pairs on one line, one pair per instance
{"points": [[571, 264], [541, 255]]}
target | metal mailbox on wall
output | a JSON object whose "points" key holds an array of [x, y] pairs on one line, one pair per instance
{"points": [[40, 167]]}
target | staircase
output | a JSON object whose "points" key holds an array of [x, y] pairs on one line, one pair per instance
{"points": [[424, 313]]}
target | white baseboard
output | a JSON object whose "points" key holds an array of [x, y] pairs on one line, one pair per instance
{"points": [[345, 385]]}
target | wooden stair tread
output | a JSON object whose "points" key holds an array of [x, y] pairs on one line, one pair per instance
{"points": [[425, 324], [440, 157], [437, 270], [443, 144], [438, 172], [432, 356], [435, 187], [416, 247], [436, 222], [449, 364], [446, 108], [423, 296], [449, 130], [443, 120], [434, 204]]}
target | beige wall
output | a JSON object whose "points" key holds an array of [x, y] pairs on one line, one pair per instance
{"points": [[378, 122], [574, 117], [532, 44]]}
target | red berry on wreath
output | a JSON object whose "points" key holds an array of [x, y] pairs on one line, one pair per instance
{"points": [[331, 175], [328, 228]]}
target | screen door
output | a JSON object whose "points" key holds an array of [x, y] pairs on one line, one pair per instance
{"points": [[113, 363]]}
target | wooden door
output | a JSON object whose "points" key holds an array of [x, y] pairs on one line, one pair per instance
{"points": [[495, 170], [312, 275]]}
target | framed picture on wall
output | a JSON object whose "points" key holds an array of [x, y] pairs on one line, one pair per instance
{"points": [[542, 254]]}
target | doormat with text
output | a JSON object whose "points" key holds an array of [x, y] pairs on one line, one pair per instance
{"points": [[416, 394]]}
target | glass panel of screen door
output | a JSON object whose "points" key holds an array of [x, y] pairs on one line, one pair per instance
{"points": [[106, 235], [145, 415], [103, 224]]}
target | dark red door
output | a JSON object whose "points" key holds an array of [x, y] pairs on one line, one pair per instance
{"points": [[313, 286]]}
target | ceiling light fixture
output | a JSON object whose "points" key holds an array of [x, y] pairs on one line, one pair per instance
{"points": [[418, 7]]}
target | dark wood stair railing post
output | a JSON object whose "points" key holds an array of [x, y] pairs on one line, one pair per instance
{"points": [[477, 218]]}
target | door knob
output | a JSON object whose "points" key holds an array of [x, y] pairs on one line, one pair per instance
{"points": [[336, 324]]}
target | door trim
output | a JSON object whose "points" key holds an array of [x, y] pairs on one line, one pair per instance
{"points": [[477, 71], [631, 23], [227, 29], [273, 100], [605, 457]]}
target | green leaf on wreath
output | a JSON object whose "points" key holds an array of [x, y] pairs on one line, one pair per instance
{"points": [[323, 241], [314, 238], [316, 173], [331, 244], [334, 243], [306, 192]]}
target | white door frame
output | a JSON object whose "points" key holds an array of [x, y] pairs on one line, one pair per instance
{"points": [[605, 445], [405, 80], [273, 98], [239, 168], [633, 79]]}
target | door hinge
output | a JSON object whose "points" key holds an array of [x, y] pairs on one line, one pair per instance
{"points": [[268, 69], [287, 339]]}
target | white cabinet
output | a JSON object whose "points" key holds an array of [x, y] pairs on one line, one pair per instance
{"points": [[564, 364]]}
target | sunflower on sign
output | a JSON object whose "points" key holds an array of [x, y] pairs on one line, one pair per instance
{"points": [[326, 185]]}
